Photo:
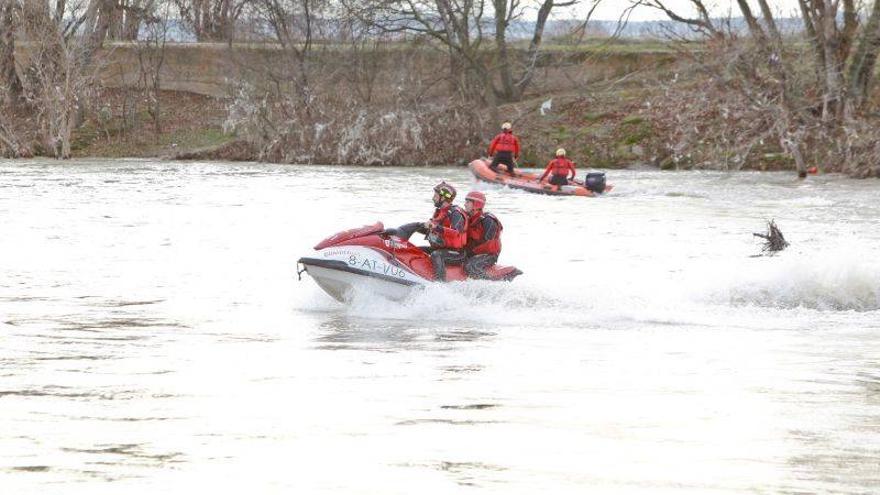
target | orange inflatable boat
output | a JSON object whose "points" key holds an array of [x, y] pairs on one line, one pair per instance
{"points": [[593, 185]]}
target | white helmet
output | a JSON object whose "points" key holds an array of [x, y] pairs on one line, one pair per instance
{"points": [[506, 126], [560, 152]]}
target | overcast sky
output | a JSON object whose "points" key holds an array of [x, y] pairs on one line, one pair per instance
{"points": [[612, 9]]}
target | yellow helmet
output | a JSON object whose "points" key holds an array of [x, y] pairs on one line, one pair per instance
{"points": [[445, 190], [560, 152]]}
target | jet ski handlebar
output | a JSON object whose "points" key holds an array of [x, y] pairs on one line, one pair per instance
{"points": [[404, 231]]}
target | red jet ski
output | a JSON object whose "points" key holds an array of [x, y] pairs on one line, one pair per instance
{"points": [[379, 260]]}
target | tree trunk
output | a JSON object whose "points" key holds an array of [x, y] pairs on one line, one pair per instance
{"points": [[8, 75], [137, 11], [195, 19], [100, 14], [754, 28], [850, 26], [771, 23], [107, 10], [861, 69], [534, 46], [60, 10], [114, 26], [792, 143], [509, 91], [813, 39], [214, 20], [832, 99]]}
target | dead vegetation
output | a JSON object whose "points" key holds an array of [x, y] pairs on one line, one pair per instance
{"points": [[393, 83], [122, 125], [774, 241], [810, 90]]}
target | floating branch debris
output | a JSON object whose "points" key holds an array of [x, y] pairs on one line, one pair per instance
{"points": [[774, 241]]}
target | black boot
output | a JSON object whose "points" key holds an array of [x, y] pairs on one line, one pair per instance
{"points": [[439, 266]]}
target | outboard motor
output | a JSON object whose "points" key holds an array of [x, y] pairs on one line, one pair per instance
{"points": [[595, 181]]}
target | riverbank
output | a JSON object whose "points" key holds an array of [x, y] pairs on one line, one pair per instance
{"points": [[198, 84], [187, 122], [629, 106], [617, 127]]}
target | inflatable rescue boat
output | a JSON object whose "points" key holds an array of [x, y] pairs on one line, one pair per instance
{"points": [[593, 185]]}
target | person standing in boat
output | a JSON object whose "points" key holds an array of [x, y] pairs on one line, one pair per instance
{"points": [[558, 169], [446, 230], [504, 148], [484, 237]]}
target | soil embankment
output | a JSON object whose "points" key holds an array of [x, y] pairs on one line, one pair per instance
{"points": [[609, 108], [196, 82]]}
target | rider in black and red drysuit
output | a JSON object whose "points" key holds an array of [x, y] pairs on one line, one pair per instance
{"points": [[484, 236], [447, 231], [558, 169], [504, 148]]}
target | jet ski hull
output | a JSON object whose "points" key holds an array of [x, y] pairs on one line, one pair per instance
{"points": [[342, 271]]}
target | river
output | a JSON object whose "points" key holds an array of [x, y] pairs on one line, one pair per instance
{"points": [[154, 337]]}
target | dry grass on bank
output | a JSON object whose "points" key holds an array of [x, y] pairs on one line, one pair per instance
{"points": [[120, 125], [669, 120], [612, 127], [680, 120]]}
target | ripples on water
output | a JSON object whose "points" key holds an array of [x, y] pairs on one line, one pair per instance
{"points": [[154, 338]]}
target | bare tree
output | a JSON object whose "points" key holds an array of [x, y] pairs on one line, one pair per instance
{"points": [[513, 91], [211, 20], [343, 93], [10, 98], [8, 75], [864, 59], [98, 19], [129, 16], [58, 76], [821, 111], [701, 23], [49, 88], [462, 28], [292, 26], [151, 58]]}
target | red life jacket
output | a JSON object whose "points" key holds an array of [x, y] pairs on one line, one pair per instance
{"points": [[451, 236], [561, 166], [479, 240], [505, 141]]}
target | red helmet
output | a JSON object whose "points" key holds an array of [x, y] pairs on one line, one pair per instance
{"points": [[477, 197], [445, 190]]}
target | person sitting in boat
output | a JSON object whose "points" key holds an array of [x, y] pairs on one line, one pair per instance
{"points": [[504, 148], [446, 231], [484, 237], [558, 169]]}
